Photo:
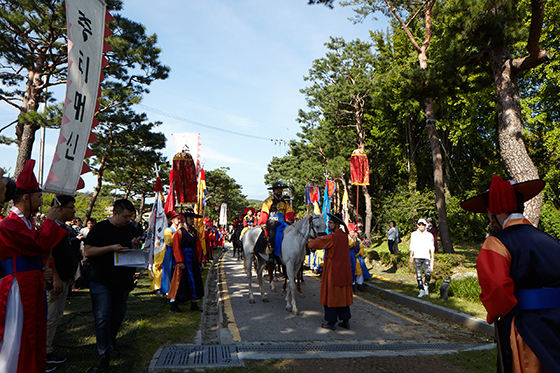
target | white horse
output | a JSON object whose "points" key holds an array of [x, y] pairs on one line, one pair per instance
{"points": [[292, 254]]}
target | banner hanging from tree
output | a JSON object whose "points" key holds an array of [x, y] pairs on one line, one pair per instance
{"points": [[86, 22]]}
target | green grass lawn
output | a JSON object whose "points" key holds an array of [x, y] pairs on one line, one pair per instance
{"points": [[148, 325]]}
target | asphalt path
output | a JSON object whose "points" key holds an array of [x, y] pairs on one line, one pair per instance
{"points": [[373, 321]]}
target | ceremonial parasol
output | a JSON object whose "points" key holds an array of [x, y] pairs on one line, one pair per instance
{"points": [[359, 173]]}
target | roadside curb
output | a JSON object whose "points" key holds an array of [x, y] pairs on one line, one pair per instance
{"points": [[470, 322]]}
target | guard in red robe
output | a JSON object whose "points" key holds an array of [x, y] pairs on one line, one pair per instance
{"points": [[336, 283], [23, 319], [519, 274]]}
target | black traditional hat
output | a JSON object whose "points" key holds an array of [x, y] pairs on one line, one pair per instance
{"points": [[481, 203], [278, 185], [337, 217], [190, 213]]}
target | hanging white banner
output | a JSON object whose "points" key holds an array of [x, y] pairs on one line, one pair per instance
{"points": [[86, 31], [223, 214]]}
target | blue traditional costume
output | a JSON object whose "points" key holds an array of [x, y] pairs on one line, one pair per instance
{"points": [[519, 274]]}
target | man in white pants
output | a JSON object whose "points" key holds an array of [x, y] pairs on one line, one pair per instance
{"points": [[422, 255]]}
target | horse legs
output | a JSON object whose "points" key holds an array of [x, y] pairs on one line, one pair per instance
{"points": [[260, 267], [299, 280], [271, 267], [290, 293], [249, 270]]}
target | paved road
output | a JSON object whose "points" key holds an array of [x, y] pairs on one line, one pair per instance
{"points": [[373, 321]]}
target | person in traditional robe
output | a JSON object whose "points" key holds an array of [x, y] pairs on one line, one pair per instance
{"points": [[276, 214], [23, 249], [168, 263], [249, 220], [519, 274], [359, 268], [186, 284], [336, 283]]}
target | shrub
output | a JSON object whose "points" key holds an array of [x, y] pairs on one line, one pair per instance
{"points": [[444, 265], [465, 288]]}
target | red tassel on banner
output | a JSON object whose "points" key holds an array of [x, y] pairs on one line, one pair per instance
{"points": [[501, 196]]}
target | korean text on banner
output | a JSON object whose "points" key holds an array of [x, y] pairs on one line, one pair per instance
{"points": [[86, 32]]}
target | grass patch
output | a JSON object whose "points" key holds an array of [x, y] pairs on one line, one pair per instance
{"points": [[147, 326], [480, 361], [393, 272]]}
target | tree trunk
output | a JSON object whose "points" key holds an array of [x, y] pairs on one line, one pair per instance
{"points": [[141, 208], [438, 177], [97, 189], [25, 133], [411, 155], [369, 214], [25, 146], [512, 148]]}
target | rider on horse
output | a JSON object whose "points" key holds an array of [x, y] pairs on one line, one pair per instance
{"points": [[275, 213], [249, 220]]}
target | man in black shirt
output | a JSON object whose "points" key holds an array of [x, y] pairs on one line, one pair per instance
{"points": [[65, 264], [110, 284]]}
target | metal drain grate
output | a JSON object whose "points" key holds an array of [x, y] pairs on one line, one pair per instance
{"points": [[197, 356], [356, 347]]}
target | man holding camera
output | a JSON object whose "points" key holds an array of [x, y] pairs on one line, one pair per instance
{"points": [[110, 284], [23, 249]]}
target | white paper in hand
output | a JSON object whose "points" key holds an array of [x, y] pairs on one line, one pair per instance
{"points": [[131, 258]]}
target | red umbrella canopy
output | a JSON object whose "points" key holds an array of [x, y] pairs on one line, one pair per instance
{"points": [[184, 179], [359, 168]]}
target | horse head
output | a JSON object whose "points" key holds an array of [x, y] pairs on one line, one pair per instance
{"points": [[317, 226]]}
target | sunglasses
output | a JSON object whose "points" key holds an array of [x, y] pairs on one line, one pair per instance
{"points": [[422, 224]]}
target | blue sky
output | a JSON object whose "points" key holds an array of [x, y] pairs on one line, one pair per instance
{"points": [[236, 65]]}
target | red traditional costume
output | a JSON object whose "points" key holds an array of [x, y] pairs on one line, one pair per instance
{"points": [[23, 322]]}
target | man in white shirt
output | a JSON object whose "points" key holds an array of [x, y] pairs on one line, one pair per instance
{"points": [[422, 255]]}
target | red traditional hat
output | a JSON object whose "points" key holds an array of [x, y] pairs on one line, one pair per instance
{"points": [[352, 227], [500, 197], [249, 209], [172, 215], [26, 181]]}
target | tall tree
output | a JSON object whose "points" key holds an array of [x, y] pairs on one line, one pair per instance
{"points": [[490, 33], [33, 50], [414, 11], [341, 88], [222, 188]]}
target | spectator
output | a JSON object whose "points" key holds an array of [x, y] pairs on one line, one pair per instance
{"points": [[85, 230], [186, 284], [336, 285], [21, 262], [64, 268], [110, 284], [422, 255], [433, 230], [519, 274], [392, 237], [77, 225]]}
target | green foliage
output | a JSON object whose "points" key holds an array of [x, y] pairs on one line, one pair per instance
{"points": [[222, 188], [445, 264], [550, 220], [82, 201], [467, 288], [464, 225], [405, 207]]}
